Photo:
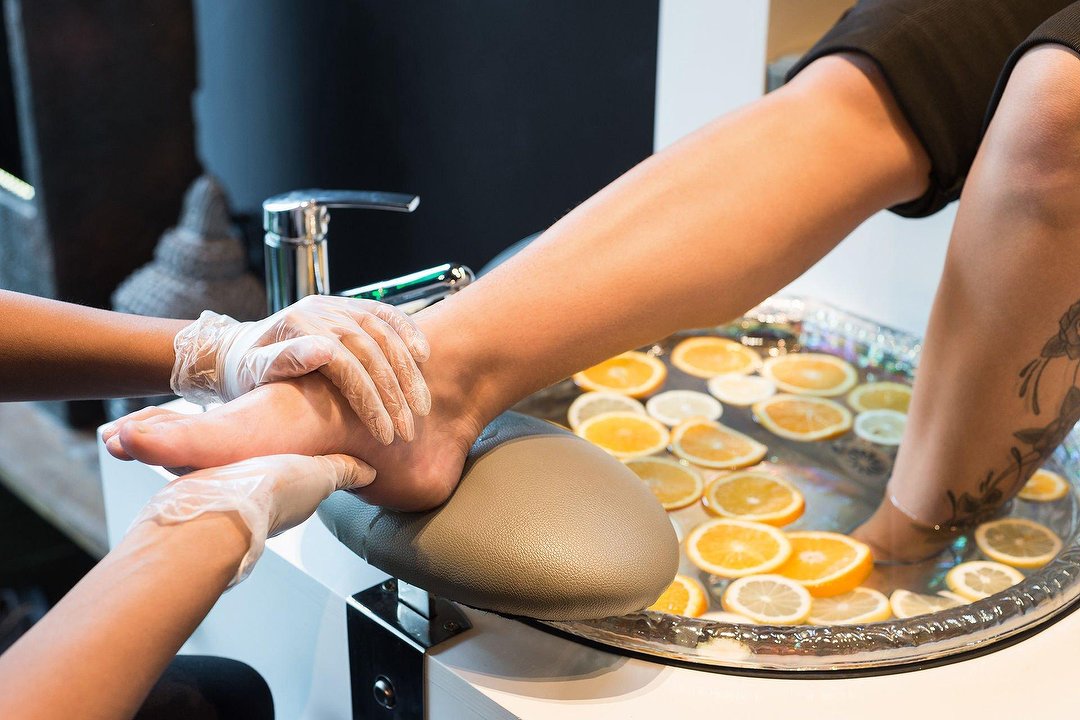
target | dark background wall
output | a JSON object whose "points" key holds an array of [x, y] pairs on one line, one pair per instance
{"points": [[501, 115]]}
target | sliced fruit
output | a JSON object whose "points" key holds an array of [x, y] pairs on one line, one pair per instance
{"points": [[826, 563], [856, 607], [1017, 542], [803, 418], [810, 374], [625, 434], [636, 374], [884, 427], [675, 485], [953, 596], [675, 406], [754, 496], [707, 357], [710, 444], [685, 596], [591, 404], [728, 617], [880, 396], [741, 390], [978, 579], [1044, 486], [905, 604], [736, 548], [768, 599]]}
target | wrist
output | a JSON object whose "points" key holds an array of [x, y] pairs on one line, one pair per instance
{"points": [[209, 547], [199, 354]]}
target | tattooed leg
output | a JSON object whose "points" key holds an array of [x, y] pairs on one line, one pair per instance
{"points": [[997, 387]]}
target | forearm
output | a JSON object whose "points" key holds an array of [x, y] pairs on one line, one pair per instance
{"points": [[100, 650], [52, 350]]}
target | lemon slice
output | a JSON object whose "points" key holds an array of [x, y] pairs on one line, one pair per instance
{"points": [[1044, 486], [810, 374], [636, 374], [591, 404], [1017, 542], [713, 445], [741, 390], [728, 617], [826, 563], [978, 579], [707, 357], [675, 406], [884, 427], [855, 607], [674, 484], [736, 548], [960, 599], [768, 599], [754, 496], [880, 396], [625, 434], [803, 418], [905, 604], [685, 596]]}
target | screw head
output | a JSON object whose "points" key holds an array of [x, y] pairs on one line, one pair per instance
{"points": [[384, 692], [450, 626]]}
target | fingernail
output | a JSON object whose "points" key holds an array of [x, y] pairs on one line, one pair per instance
{"points": [[408, 430], [421, 348], [423, 399], [385, 431]]}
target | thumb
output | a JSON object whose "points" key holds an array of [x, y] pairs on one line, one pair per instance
{"points": [[283, 360], [350, 473]]}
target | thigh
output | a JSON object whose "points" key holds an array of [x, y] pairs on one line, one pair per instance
{"points": [[201, 687]]}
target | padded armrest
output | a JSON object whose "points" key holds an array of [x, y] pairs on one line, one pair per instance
{"points": [[543, 525]]}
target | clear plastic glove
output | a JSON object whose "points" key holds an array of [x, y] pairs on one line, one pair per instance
{"points": [[369, 350], [270, 494]]}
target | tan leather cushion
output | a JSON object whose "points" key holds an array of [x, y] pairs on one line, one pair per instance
{"points": [[543, 525]]}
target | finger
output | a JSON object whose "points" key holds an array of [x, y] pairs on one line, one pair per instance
{"points": [[371, 356], [409, 377], [355, 384], [404, 326], [352, 473]]}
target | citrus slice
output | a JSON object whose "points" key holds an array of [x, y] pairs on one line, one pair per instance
{"points": [[905, 604], [1017, 542], [856, 607], [880, 396], [741, 390], [884, 427], [675, 406], [768, 599], [1044, 486], [978, 579], [754, 496], [826, 563], [736, 548], [728, 617], [810, 374], [674, 484], [803, 418], [707, 357], [684, 596], [636, 374], [590, 404], [960, 599], [713, 445], [625, 434]]}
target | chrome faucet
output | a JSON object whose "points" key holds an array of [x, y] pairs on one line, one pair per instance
{"points": [[296, 250]]}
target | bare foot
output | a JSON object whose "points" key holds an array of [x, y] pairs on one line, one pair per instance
{"points": [[894, 538]]}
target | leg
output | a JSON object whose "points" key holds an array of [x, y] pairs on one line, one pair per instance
{"points": [[1001, 351], [746, 204]]}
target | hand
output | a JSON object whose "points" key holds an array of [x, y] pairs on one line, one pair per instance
{"points": [[270, 495], [369, 350]]}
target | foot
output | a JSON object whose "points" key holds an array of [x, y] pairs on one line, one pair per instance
{"points": [[894, 538]]}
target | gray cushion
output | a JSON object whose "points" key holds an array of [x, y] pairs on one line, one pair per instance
{"points": [[543, 525]]}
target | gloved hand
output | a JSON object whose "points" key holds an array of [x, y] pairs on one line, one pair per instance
{"points": [[270, 494], [369, 350]]}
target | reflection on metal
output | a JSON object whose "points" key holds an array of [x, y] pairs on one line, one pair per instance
{"points": [[17, 187]]}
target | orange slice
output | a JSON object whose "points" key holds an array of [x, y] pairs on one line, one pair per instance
{"points": [[713, 445], [685, 596], [803, 418], [590, 404], [754, 496], [880, 396], [1044, 486], [826, 563], [636, 374], [707, 357], [1017, 542], [857, 607], [674, 484], [770, 599], [625, 434], [736, 548], [905, 604], [978, 579], [810, 374]]}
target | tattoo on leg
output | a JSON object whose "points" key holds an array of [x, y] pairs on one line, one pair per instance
{"points": [[1035, 444]]}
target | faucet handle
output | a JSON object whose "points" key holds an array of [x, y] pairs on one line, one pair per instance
{"points": [[302, 215]]}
